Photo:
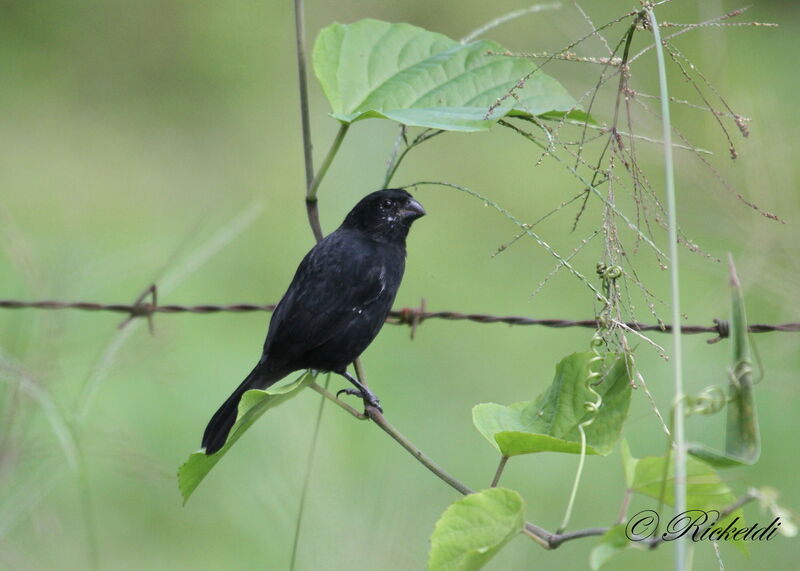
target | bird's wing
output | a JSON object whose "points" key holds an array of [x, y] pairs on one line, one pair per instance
{"points": [[337, 279]]}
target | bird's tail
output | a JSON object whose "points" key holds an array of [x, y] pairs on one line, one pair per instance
{"points": [[223, 420]]}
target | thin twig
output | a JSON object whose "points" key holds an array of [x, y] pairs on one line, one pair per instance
{"points": [[394, 162], [312, 211], [546, 539], [332, 397], [603, 130], [505, 18], [311, 194], [500, 467], [524, 227], [312, 206], [591, 25], [623, 508], [682, 31], [377, 417], [556, 539], [308, 157], [307, 476], [589, 185]]}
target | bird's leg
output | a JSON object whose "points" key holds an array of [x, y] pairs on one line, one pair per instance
{"points": [[369, 397]]}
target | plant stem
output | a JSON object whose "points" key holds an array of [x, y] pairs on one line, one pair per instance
{"points": [[331, 397], [396, 159], [475, 34], [526, 228], [530, 531], [646, 239], [545, 538], [556, 539], [300, 36], [307, 477], [669, 174], [377, 417], [311, 193], [393, 166], [326, 163], [573, 494], [86, 503], [312, 181], [500, 467], [626, 502], [312, 211], [360, 372]]}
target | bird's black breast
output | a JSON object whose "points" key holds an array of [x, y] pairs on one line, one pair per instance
{"points": [[336, 304]]}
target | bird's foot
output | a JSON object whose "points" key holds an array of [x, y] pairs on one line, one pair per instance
{"points": [[371, 400], [368, 397], [348, 391]]}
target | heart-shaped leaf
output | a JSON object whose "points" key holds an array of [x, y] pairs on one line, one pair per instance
{"points": [[705, 490], [473, 529], [419, 78], [550, 423]]}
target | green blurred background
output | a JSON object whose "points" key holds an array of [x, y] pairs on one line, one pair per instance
{"points": [[134, 133]]}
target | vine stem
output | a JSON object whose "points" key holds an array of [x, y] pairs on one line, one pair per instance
{"points": [[308, 156], [377, 417], [307, 479], [669, 177], [312, 207], [500, 467], [311, 194], [573, 494], [331, 397], [540, 535], [312, 211]]}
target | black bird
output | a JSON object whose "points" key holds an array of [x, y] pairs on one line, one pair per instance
{"points": [[336, 304]]}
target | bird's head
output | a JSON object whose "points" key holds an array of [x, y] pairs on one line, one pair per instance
{"points": [[385, 215]]}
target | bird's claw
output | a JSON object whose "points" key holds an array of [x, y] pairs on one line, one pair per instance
{"points": [[349, 391], [369, 398]]}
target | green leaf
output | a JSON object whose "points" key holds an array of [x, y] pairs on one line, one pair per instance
{"points": [[254, 403], [550, 423], [612, 542], [742, 441], [628, 463], [473, 529], [423, 79], [705, 490], [713, 456]]}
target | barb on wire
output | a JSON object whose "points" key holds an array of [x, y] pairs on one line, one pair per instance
{"points": [[413, 317], [141, 309]]}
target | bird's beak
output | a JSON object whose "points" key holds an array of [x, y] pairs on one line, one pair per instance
{"points": [[413, 210]]}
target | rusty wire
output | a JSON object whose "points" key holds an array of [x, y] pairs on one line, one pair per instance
{"points": [[410, 316]]}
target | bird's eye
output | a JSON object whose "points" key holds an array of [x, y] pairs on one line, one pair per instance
{"points": [[386, 204]]}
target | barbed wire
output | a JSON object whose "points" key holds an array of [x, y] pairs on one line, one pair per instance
{"points": [[411, 316]]}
